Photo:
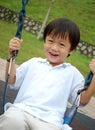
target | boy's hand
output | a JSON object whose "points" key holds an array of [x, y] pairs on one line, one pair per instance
{"points": [[92, 66], [14, 44]]}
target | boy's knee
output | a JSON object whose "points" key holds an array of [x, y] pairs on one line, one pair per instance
{"points": [[11, 120]]}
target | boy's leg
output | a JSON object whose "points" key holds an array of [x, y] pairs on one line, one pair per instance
{"points": [[38, 124], [15, 119], [47, 126], [12, 119]]}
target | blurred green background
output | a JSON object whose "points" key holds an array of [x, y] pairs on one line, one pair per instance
{"points": [[80, 11]]}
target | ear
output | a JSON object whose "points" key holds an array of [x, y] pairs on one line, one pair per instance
{"points": [[70, 53]]}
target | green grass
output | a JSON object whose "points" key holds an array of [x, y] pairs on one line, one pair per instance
{"points": [[80, 61], [80, 11], [30, 47]]}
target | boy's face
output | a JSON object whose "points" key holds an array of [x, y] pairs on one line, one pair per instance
{"points": [[56, 49]]}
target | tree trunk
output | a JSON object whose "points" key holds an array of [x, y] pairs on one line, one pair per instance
{"points": [[46, 19]]}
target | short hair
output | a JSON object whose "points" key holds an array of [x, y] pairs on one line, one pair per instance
{"points": [[65, 28]]}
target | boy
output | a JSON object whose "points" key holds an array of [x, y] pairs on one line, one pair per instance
{"points": [[46, 85]]}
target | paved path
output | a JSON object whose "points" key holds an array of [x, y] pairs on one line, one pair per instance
{"points": [[88, 110]]}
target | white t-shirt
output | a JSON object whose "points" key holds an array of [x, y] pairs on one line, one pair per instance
{"points": [[44, 91]]}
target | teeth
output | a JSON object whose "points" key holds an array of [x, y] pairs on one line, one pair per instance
{"points": [[53, 54]]}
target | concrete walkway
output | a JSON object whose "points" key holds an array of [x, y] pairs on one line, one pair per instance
{"points": [[88, 110]]}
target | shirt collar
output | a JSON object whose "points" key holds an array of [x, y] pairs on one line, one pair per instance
{"points": [[65, 64]]}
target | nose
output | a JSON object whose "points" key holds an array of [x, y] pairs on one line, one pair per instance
{"points": [[54, 47]]}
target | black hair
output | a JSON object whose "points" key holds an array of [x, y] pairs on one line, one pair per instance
{"points": [[65, 28]]}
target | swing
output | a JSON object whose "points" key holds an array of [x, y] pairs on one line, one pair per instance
{"points": [[22, 15], [70, 112]]}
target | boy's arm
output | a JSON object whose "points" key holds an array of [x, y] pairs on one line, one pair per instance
{"points": [[12, 73], [88, 93], [14, 44]]}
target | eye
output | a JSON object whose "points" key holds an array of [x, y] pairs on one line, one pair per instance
{"points": [[50, 41], [61, 44]]}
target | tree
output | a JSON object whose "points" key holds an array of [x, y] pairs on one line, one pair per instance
{"points": [[46, 19]]}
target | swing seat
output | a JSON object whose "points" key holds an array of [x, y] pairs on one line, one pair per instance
{"points": [[71, 112]]}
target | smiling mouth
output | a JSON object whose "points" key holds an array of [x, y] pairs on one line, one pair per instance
{"points": [[52, 54]]}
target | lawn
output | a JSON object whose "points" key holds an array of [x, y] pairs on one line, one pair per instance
{"points": [[80, 11]]}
